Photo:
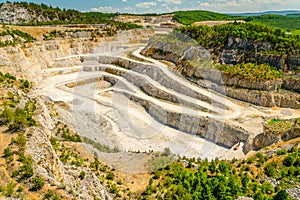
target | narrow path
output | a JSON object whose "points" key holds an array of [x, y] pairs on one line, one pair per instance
{"points": [[116, 115]]}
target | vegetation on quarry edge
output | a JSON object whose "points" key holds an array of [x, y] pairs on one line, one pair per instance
{"points": [[289, 23], [188, 178], [266, 175], [217, 36]]}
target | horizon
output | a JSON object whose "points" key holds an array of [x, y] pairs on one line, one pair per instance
{"points": [[169, 6]]}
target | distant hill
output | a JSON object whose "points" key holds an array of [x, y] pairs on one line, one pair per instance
{"points": [[23, 13], [190, 17], [289, 20], [283, 12]]}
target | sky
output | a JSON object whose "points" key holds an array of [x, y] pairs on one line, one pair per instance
{"points": [[163, 6]]}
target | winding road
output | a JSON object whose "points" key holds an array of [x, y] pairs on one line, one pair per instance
{"points": [[132, 106]]}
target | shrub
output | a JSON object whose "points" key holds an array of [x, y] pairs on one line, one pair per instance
{"points": [[24, 84], [289, 160], [48, 195], [7, 152], [281, 195], [281, 152], [270, 169], [10, 188], [38, 183], [110, 176], [82, 175]]}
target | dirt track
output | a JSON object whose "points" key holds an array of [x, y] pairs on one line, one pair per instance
{"points": [[102, 111]]}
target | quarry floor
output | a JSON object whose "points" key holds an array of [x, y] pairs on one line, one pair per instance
{"points": [[96, 111]]}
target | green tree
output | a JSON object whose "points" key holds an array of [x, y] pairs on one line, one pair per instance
{"points": [[289, 160], [82, 175], [223, 167], [270, 169], [38, 183], [281, 195]]}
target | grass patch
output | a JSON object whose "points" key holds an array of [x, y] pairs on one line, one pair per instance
{"points": [[279, 127], [101, 147]]}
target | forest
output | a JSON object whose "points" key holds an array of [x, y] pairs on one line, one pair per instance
{"points": [[190, 17], [217, 36], [289, 22], [220, 179], [58, 16]]}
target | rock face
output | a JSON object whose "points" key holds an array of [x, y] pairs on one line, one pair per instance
{"points": [[41, 55], [292, 83], [256, 91], [52, 170], [263, 140], [238, 50], [292, 134], [216, 131], [268, 137], [13, 14], [294, 192], [29, 61]]}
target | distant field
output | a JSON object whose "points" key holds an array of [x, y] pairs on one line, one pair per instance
{"points": [[190, 17], [290, 23], [285, 22], [214, 23]]}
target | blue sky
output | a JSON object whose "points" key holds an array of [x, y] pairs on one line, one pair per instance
{"points": [[161, 6]]}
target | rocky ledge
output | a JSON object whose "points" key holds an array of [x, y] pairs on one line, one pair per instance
{"points": [[260, 92]]}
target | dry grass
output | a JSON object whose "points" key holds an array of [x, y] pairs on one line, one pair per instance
{"points": [[279, 127], [136, 183], [5, 178], [214, 23]]}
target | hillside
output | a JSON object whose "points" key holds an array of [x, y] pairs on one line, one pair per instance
{"points": [[286, 20], [284, 12], [252, 63], [289, 22], [190, 17], [217, 37], [41, 14], [92, 106], [270, 175]]}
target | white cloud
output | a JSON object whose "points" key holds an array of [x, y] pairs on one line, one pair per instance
{"points": [[241, 5], [129, 9], [105, 9], [146, 4], [204, 4], [232, 3], [171, 1], [224, 6]]}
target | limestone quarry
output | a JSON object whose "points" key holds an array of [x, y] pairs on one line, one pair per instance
{"points": [[127, 93], [120, 98]]}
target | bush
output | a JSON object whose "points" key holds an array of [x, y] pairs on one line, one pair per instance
{"points": [[38, 183], [24, 84], [281, 152], [10, 188], [110, 176], [281, 195], [82, 175], [48, 195], [270, 169], [19, 118], [71, 138], [289, 160], [7, 152]]}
